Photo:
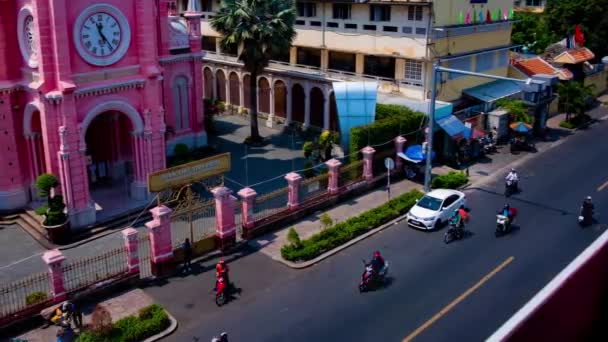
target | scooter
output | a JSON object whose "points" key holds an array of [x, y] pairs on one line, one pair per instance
{"points": [[504, 224], [455, 232], [369, 280], [511, 187], [222, 291], [518, 145], [585, 218], [488, 145]]}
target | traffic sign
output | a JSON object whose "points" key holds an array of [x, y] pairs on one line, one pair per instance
{"points": [[389, 163]]}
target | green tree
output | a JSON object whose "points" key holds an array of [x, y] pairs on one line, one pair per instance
{"points": [[531, 31], [258, 29], [573, 97], [563, 15], [517, 110]]}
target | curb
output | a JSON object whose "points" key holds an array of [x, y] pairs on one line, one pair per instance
{"points": [[172, 327], [305, 264]]}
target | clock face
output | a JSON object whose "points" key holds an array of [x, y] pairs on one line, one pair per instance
{"points": [[102, 35], [28, 40]]}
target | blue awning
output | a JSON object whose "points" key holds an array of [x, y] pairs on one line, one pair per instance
{"points": [[493, 91], [452, 125]]}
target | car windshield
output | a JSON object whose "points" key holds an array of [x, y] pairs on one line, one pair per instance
{"points": [[431, 203]]}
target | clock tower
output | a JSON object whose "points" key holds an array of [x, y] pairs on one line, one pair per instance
{"points": [[97, 93]]}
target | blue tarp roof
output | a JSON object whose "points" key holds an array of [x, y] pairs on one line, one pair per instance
{"points": [[452, 125], [494, 91], [414, 154]]}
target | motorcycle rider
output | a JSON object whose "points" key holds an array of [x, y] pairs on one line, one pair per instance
{"points": [[506, 212], [587, 209], [221, 270], [377, 262], [512, 179]]}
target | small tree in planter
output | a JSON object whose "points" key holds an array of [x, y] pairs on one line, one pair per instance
{"points": [[55, 219]]}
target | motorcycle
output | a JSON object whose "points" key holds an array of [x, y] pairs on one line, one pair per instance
{"points": [[488, 145], [455, 232], [222, 291], [503, 223], [519, 145], [370, 280], [511, 187], [585, 218]]}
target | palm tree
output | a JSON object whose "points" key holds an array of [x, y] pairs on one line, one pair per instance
{"points": [[258, 29], [573, 97]]}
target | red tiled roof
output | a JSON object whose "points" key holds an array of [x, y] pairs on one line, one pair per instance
{"points": [[537, 65], [574, 56]]}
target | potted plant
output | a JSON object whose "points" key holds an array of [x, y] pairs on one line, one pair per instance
{"points": [[56, 221]]}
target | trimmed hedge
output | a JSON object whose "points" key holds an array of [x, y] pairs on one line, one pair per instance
{"points": [[576, 121], [451, 180], [150, 321], [391, 120], [344, 231]]}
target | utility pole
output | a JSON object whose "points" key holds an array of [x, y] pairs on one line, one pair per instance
{"points": [[429, 140]]}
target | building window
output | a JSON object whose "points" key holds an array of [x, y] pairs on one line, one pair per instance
{"points": [[341, 11], [307, 9], [407, 30], [413, 70], [390, 28], [315, 23], [208, 43], [414, 13], [206, 5], [310, 57], [332, 24], [181, 103], [534, 3], [379, 66], [485, 61], [503, 59], [462, 63], [379, 13], [420, 31], [350, 26], [342, 61]]}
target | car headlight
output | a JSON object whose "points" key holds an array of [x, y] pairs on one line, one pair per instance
{"points": [[428, 219]]}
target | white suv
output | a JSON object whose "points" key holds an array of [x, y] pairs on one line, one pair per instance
{"points": [[435, 208]]}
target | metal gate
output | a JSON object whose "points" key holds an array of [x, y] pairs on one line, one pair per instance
{"points": [[144, 254]]}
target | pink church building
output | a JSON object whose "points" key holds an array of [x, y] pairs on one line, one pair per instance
{"points": [[97, 93]]}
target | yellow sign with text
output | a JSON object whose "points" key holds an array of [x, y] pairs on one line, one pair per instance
{"points": [[188, 173]]}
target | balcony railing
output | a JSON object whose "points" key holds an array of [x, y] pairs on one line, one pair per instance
{"points": [[329, 74]]}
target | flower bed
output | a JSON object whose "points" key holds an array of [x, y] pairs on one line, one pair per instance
{"points": [[151, 320], [344, 231]]}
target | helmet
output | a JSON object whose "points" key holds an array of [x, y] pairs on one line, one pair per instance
{"points": [[512, 170], [376, 254], [221, 261], [65, 306], [588, 198], [462, 206], [506, 206]]}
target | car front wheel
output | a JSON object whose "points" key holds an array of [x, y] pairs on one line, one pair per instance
{"points": [[438, 224]]}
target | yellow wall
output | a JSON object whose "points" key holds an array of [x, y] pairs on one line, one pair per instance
{"points": [[447, 11], [598, 80], [472, 42], [451, 90]]}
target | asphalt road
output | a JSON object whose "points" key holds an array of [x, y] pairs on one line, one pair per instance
{"points": [[437, 292]]}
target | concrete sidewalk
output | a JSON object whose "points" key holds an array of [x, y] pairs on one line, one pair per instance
{"points": [[119, 306]]}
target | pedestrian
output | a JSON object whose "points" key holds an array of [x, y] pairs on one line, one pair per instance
{"points": [[76, 314], [187, 248]]}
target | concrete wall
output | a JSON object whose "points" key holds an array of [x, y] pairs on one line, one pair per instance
{"points": [[569, 307], [598, 80]]}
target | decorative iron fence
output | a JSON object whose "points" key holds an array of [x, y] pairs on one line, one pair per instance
{"points": [[86, 272], [313, 187], [270, 204], [351, 173], [196, 222], [24, 293], [144, 254]]}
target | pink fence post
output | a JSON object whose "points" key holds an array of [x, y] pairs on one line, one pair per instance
{"points": [[225, 229], [334, 174], [54, 259], [368, 158], [161, 246], [293, 180], [131, 244], [399, 145], [247, 202]]}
